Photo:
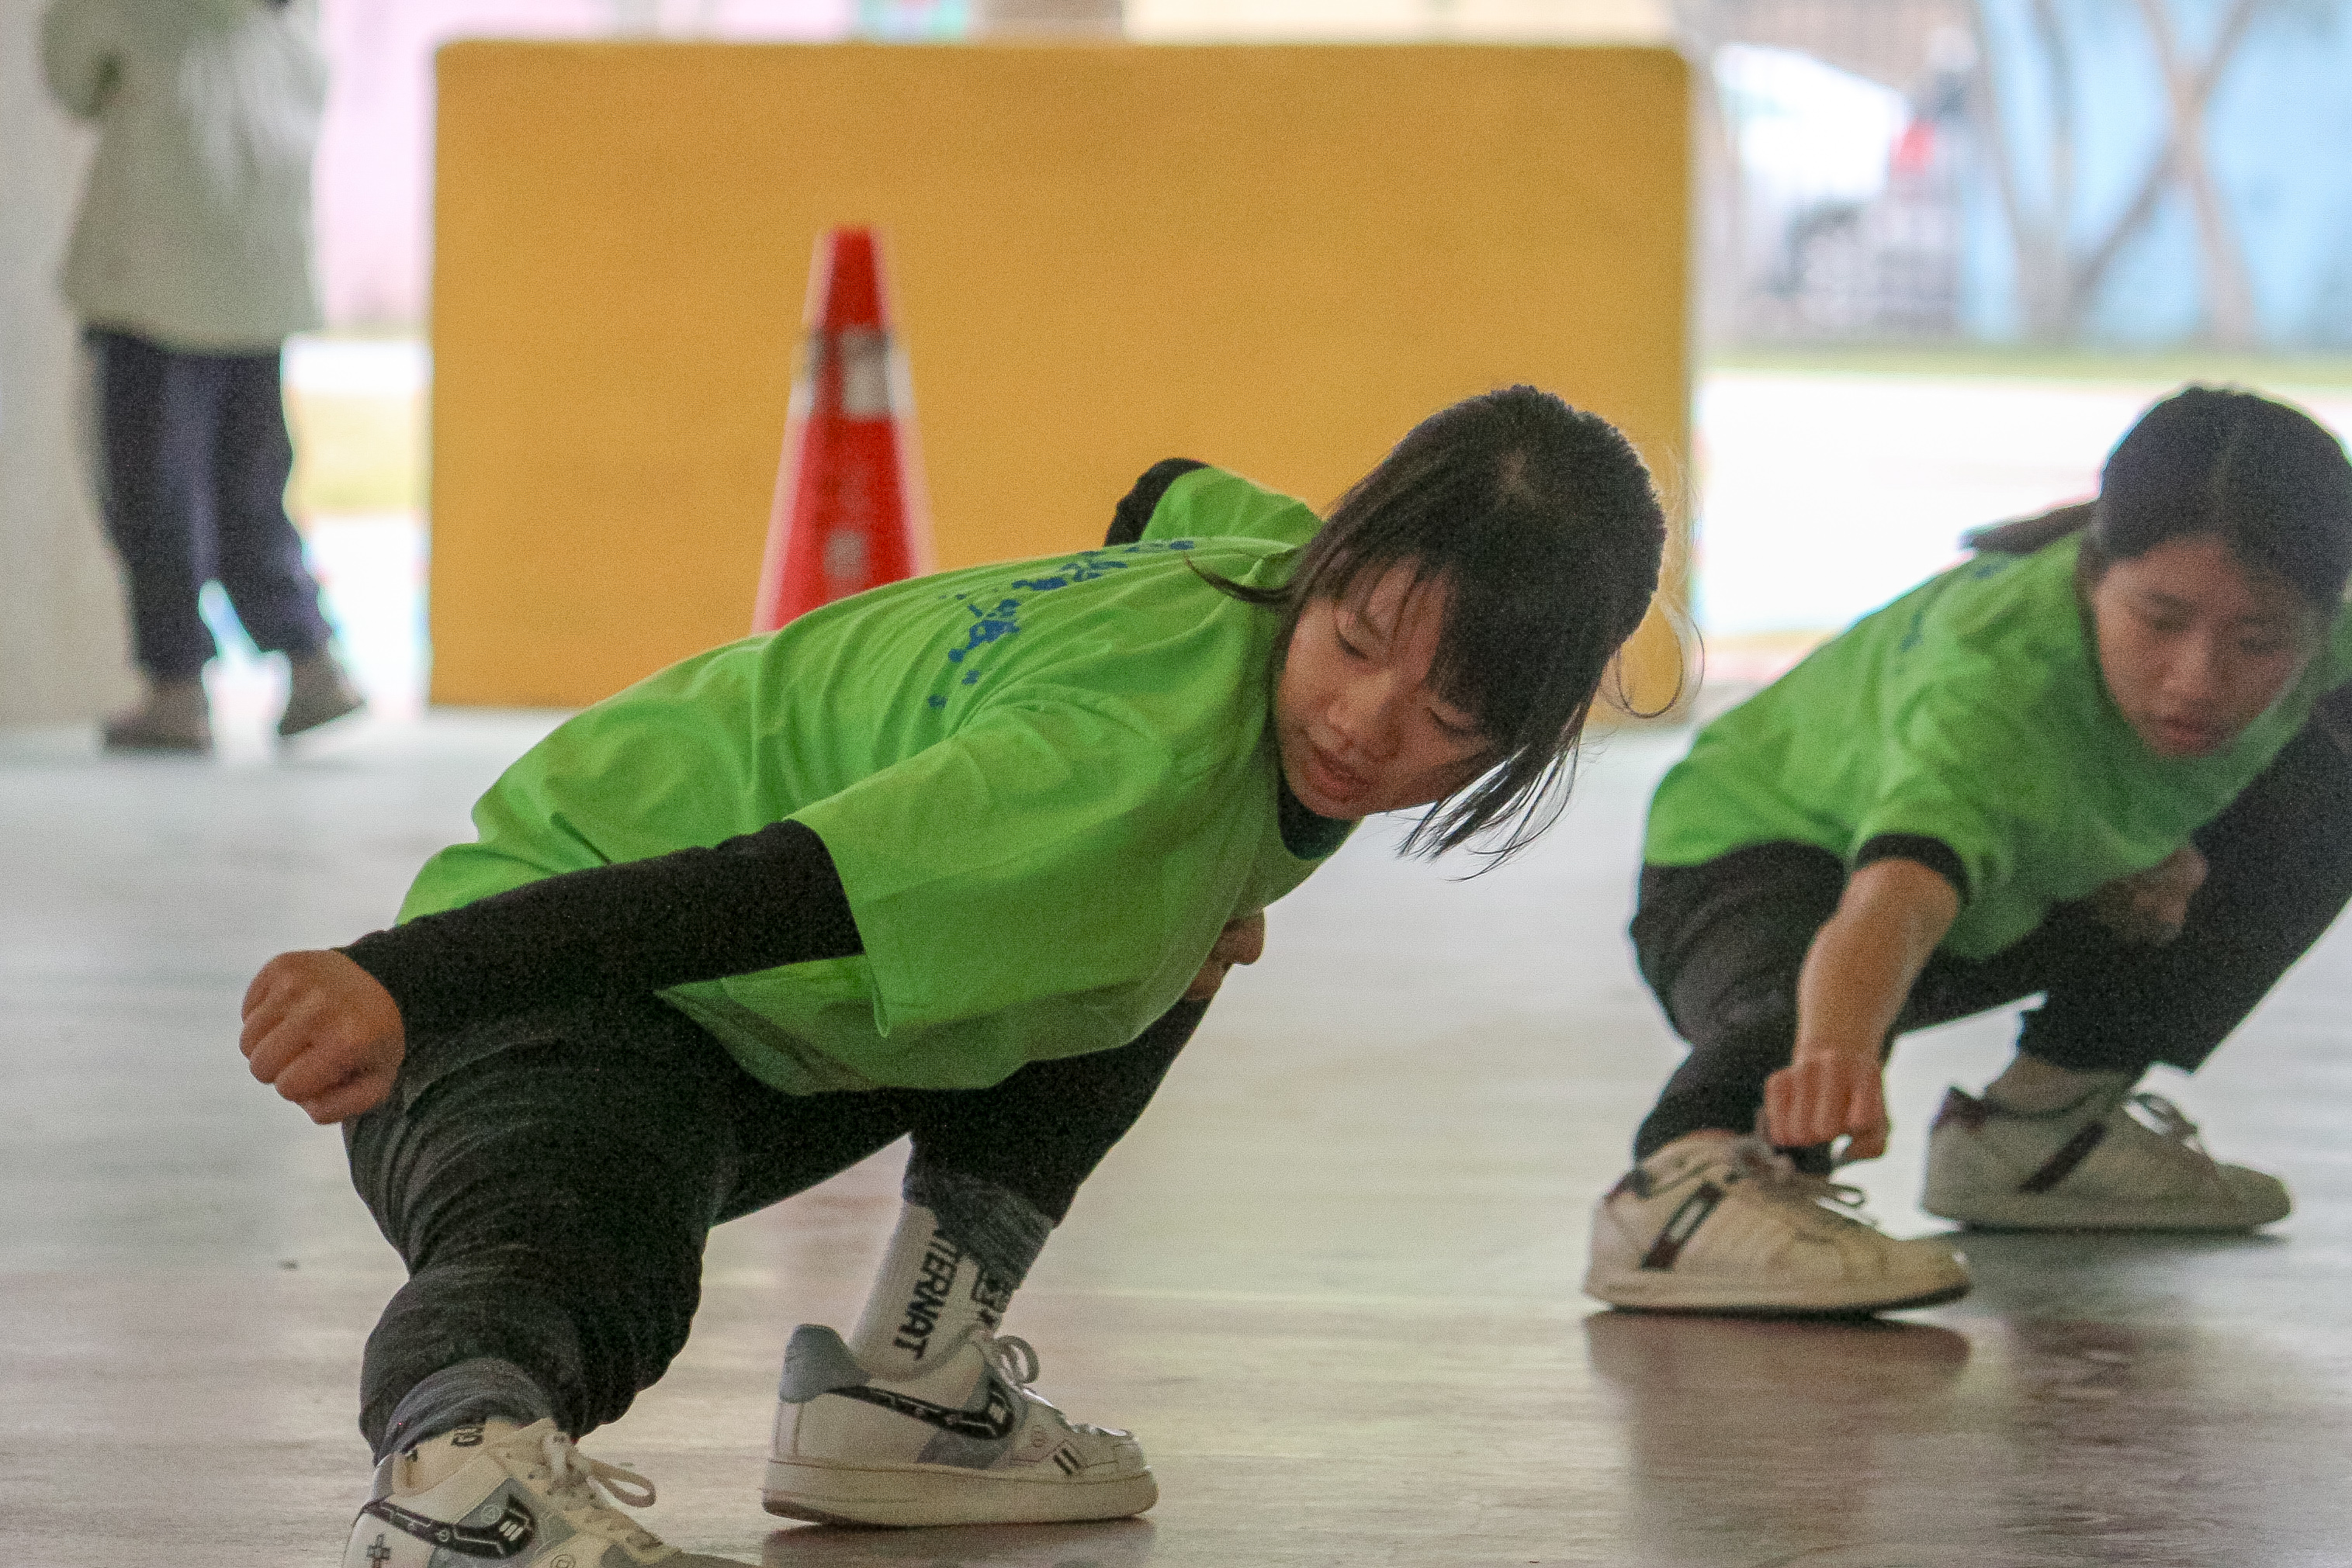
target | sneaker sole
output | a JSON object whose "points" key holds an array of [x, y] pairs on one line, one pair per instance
{"points": [[1739, 1301], [913, 1496], [293, 725], [2040, 1216]]}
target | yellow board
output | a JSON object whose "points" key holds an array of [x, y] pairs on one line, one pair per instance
{"points": [[1271, 259]]}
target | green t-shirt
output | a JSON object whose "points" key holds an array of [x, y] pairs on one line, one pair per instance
{"points": [[1969, 711], [1046, 785]]}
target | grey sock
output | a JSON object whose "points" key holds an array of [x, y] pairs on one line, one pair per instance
{"points": [[483, 1389], [2031, 1087], [1002, 1231]]}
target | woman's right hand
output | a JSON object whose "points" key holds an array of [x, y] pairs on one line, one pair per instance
{"points": [[1824, 1096], [1851, 991], [324, 1033]]}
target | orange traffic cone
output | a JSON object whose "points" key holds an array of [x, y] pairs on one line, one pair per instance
{"points": [[850, 513]]}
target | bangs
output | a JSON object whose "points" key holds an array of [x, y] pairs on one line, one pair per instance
{"points": [[1511, 648], [1523, 649], [1541, 524]]}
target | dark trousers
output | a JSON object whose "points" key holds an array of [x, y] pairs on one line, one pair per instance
{"points": [[195, 462], [551, 1198], [1721, 944]]}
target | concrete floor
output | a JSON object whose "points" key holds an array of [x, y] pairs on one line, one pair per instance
{"points": [[1331, 1279]]}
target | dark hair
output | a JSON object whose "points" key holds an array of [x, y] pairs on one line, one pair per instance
{"points": [[2264, 477], [1542, 521]]}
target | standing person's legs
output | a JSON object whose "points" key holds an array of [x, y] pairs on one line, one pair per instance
{"points": [[260, 554], [922, 1416], [157, 414]]}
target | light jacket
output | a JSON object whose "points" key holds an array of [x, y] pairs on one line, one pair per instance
{"points": [[194, 231]]}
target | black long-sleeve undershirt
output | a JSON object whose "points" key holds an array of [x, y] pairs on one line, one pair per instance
{"points": [[1133, 513], [752, 903]]}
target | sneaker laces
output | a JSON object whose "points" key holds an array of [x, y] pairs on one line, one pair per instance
{"points": [[2166, 1118], [2167, 1121], [580, 1486], [1776, 1174], [1015, 1359]]}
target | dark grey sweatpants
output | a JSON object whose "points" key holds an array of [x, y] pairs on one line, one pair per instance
{"points": [[551, 1197], [1721, 944]]}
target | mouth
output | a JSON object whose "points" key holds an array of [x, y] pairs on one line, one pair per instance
{"points": [[2181, 736], [1328, 777]]}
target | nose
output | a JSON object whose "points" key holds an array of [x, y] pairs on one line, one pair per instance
{"points": [[1363, 715], [2195, 676]]}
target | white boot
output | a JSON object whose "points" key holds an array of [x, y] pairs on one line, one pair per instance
{"points": [[499, 1494], [2113, 1160], [964, 1441], [1718, 1224]]}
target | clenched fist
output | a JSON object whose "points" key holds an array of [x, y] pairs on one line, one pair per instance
{"points": [[324, 1032], [1823, 1096]]}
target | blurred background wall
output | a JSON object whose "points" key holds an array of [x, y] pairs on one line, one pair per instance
{"points": [[1277, 258], [60, 626], [2139, 173], [1946, 248]]}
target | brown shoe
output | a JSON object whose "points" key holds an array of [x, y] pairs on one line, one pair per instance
{"points": [[317, 692], [173, 716]]}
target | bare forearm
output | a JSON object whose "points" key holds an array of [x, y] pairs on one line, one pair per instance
{"points": [[1861, 968]]}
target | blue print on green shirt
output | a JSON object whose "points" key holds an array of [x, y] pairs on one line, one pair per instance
{"points": [[992, 622]]}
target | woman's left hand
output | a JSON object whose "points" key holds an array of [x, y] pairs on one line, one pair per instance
{"points": [[1242, 941], [2151, 907]]}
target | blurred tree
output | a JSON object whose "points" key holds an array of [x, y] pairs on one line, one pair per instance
{"points": [[2058, 276]]}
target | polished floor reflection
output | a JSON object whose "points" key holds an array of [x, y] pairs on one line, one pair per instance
{"points": [[1331, 1279]]}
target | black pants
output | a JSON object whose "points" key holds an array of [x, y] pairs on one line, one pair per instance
{"points": [[196, 459], [551, 1198], [1721, 943]]}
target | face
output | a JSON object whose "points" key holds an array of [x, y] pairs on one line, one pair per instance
{"points": [[1360, 727], [2194, 646]]}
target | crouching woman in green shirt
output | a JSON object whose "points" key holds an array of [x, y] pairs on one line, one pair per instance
{"points": [[2087, 764], [961, 859]]}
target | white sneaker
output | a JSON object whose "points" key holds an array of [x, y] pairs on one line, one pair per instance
{"points": [[965, 1442], [2113, 1160], [500, 1494], [1711, 1224]]}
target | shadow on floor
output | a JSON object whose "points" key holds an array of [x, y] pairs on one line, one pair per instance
{"points": [[1113, 1544]]}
